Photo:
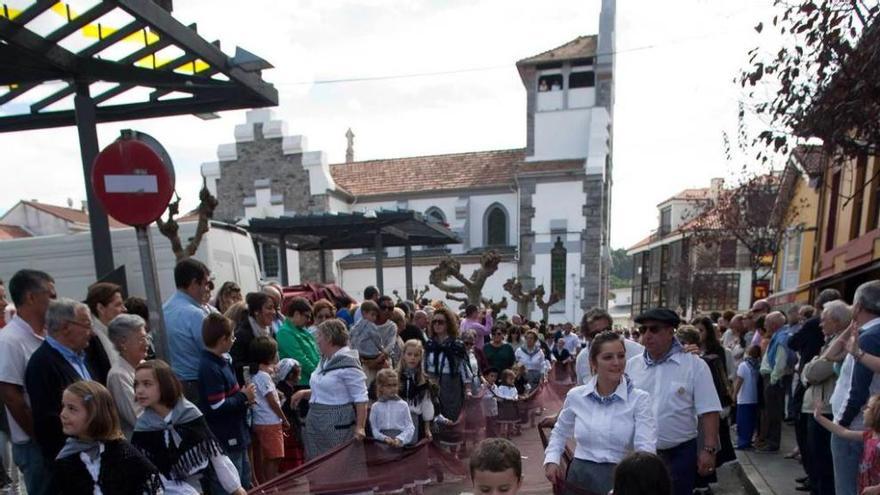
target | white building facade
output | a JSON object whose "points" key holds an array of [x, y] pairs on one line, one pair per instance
{"points": [[544, 207]]}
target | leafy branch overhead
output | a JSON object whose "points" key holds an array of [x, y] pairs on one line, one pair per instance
{"points": [[171, 229], [823, 81], [468, 290]]}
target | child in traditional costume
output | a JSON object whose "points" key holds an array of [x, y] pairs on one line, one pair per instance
{"points": [[173, 434], [415, 389], [96, 457]]}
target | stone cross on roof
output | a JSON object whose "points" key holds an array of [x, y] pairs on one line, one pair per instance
{"points": [[349, 151]]}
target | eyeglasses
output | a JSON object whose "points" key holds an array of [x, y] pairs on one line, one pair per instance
{"points": [[438, 322], [652, 328]]}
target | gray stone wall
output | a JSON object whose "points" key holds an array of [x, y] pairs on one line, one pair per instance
{"points": [[595, 280], [526, 240], [264, 159], [529, 75]]}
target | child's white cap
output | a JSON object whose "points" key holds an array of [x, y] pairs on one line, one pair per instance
{"points": [[285, 366]]}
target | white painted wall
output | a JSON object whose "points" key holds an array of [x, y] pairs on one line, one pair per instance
{"points": [[446, 204], [570, 306], [562, 134], [354, 281], [479, 206], [556, 201], [36, 221], [581, 97]]}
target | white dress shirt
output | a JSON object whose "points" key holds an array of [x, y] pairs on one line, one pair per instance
{"points": [[534, 362], [682, 390], [604, 430], [506, 392], [391, 415], [572, 342], [340, 386], [582, 363]]}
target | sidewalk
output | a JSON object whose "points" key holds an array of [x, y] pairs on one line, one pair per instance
{"points": [[772, 474]]}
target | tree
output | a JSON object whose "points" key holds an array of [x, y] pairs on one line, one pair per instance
{"points": [[823, 81], [170, 228], [515, 289], [621, 269], [470, 289]]}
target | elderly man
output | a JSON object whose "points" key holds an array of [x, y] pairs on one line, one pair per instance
{"points": [[31, 291], [595, 321], [420, 321], [685, 402], [847, 406], [774, 367], [184, 314], [819, 380], [59, 361]]}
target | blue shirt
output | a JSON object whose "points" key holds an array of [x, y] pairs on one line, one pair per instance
{"points": [[183, 321], [76, 359], [862, 385]]}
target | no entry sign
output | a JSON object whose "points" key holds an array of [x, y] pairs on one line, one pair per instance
{"points": [[134, 179]]}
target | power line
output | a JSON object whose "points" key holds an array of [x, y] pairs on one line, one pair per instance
{"points": [[484, 68]]}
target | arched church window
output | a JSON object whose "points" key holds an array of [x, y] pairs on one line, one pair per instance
{"points": [[557, 268], [435, 215], [496, 226]]}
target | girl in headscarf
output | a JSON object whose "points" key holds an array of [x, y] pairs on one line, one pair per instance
{"points": [[173, 434]]}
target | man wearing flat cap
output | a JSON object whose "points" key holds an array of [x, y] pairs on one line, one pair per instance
{"points": [[684, 399]]}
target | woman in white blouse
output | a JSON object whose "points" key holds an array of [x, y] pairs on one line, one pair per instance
{"points": [[532, 357], [338, 395], [129, 336], [608, 419]]}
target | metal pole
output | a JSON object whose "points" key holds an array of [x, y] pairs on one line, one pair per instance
{"points": [[102, 248], [154, 297], [407, 261], [323, 266], [282, 256], [380, 282]]}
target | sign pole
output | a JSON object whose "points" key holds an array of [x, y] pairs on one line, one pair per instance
{"points": [[154, 298]]}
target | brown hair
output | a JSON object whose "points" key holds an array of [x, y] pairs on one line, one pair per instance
{"points": [[323, 304], [385, 376], [507, 373], [599, 340], [496, 455], [236, 312], [103, 420], [101, 292], [214, 328], [451, 321], [264, 350], [170, 389], [369, 306], [299, 305]]}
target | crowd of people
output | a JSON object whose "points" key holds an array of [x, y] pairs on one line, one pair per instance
{"points": [[258, 385]]}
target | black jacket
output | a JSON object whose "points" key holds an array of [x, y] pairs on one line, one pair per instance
{"points": [[46, 377], [808, 341]]}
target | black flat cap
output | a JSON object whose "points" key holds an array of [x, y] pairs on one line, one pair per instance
{"points": [[662, 315]]}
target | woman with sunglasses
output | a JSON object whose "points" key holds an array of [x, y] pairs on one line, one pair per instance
{"points": [[499, 353], [447, 366]]}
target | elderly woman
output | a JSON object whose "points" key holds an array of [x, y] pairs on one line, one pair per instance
{"points": [[129, 336], [338, 394], [532, 358], [105, 302], [447, 366], [398, 317], [256, 322], [607, 417]]}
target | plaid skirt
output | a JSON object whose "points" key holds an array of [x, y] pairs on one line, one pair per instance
{"points": [[327, 427]]}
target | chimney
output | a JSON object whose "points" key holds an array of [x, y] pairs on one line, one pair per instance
{"points": [[349, 151], [716, 185]]}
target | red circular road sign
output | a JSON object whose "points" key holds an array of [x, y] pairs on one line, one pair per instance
{"points": [[133, 180]]}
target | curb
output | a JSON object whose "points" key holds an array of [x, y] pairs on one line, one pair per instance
{"points": [[752, 480]]}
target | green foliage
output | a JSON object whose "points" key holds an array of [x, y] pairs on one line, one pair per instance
{"points": [[621, 268]]}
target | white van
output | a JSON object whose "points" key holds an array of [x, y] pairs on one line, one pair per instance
{"points": [[226, 249]]}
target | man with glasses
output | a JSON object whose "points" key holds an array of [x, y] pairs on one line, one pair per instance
{"points": [[58, 362], [31, 291], [595, 321], [184, 313], [685, 402]]}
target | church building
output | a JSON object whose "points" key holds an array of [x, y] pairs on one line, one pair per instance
{"points": [[544, 207]]}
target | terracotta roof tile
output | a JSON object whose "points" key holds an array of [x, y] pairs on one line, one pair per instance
{"points": [[12, 232], [428, 173], [70, 214], [552, 166], [580, 47]]}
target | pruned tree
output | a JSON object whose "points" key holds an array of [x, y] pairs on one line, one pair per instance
{"points": [[514, 287], [821, 80], [496, 307], [418, 294], [469, 290], [545, 305], [171, 229]]}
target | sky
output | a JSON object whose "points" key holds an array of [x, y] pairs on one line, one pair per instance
{"points": [[674, 89]]}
